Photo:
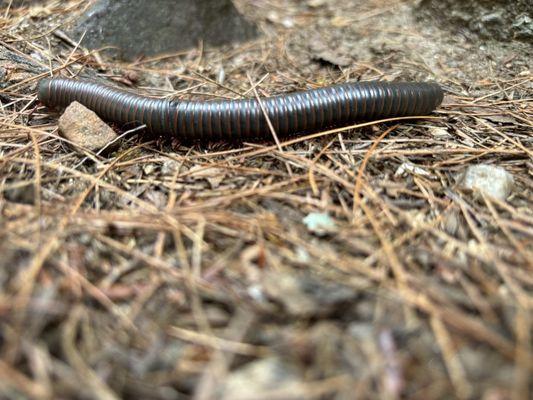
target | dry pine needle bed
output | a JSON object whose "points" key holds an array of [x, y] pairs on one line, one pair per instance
{"points": [[347, 261]]}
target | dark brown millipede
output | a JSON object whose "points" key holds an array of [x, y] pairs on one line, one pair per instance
{"points": [[298, 112]]}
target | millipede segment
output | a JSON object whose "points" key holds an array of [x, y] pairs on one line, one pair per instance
{"points": [[293, 113]]}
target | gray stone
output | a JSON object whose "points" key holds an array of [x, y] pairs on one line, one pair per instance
{"points": [[145, 28], [490, 19], [85, 129], [491, 180]]}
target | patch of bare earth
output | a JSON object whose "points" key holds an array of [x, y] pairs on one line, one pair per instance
{"points": [[172, 271]]}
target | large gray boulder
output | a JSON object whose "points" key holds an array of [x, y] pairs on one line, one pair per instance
{"points": [[145, 28], [502, 20]]}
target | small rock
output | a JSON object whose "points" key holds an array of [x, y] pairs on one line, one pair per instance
{"points": [[303, 295], [321, 224], [494, 181], [259, 377], [84, 128]]}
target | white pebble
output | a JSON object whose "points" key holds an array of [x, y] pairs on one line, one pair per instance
{"points": [[492, 180], [320, 224]]}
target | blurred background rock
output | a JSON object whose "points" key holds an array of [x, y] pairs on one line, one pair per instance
{"points": [[490, 19], [145, 28]]}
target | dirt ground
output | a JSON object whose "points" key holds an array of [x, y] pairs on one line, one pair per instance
{"points": [[171, 271]]}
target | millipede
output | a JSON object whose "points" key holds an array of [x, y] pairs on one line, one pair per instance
{"points": [[289, 114]]}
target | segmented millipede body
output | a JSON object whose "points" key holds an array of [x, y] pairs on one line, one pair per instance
{"points": [[298, 112]]}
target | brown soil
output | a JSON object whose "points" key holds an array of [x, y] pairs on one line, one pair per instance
{"points": [[165, 271]]}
